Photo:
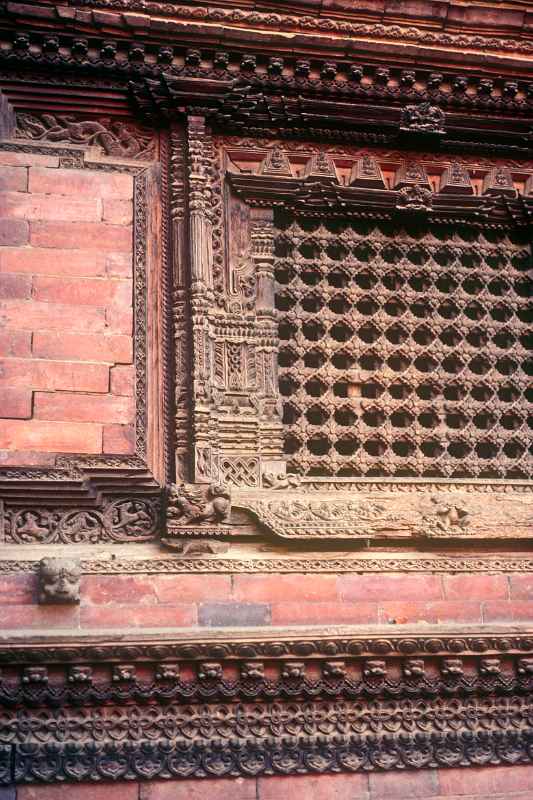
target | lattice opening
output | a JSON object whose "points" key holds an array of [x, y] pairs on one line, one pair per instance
{"points": [[403, 349]]}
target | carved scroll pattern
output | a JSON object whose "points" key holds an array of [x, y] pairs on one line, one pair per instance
{"points": [[403, 349]]}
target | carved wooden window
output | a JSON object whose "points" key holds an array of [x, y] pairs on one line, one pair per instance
{"points": [[402, 348]]}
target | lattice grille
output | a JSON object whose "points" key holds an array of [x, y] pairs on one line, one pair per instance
{"points": [[403, 349]]}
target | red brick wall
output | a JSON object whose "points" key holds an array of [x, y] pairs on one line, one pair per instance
{"points": [[496, 783], [225, 600], [66, 318]]}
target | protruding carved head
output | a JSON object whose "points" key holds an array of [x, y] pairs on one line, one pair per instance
{"points": [[59, 580]]}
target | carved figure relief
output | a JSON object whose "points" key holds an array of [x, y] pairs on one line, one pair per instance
{"points": [[114, 137]]}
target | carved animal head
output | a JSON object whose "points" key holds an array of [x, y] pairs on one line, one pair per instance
{"points": [[59, 580]]}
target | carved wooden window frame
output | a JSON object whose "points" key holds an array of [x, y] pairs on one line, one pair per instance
{"points": [[235, 422]]}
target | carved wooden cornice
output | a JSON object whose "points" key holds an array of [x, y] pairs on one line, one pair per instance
{"points": [[248, 703], [333, 31]]}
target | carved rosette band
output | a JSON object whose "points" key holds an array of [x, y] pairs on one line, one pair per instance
{"points": [[245, 706]]}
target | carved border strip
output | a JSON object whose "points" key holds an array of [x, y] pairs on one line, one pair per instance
{"points": [[292, 755], [453, 698], [308, 23], [337, 641], [302, 564]]}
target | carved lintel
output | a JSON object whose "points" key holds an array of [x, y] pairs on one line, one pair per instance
{"points": [[298, 513], [59, 580]]}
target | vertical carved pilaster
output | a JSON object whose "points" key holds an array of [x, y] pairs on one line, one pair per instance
{"points": [[200, 153], [262, 251], [178, 204]]}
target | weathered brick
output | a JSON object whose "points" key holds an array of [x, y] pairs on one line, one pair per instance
{"points": [[75, 406], [81, 183], [15, 403], [45, 261], [119, 265], [521, 587], [123, 378], [119, 320], [13, 232], [15, 343], [138, 616], [18, 589], [504, 611], [272, 588], [486, 780], [55, 437], [119, 439], [390, 587], [15, 287], [407, 785], [233, 614], [118, 212], [112, 348], [24, 205], [39, 617], [93, 235], [329, 613], [443, 611], [27, 159], [82, 291], [13, 179], [191, 588], [118, 590], [204, 789], [31, 315], [314, 787], [26, 458], [476, 587], [122, 790], [41, 374]]}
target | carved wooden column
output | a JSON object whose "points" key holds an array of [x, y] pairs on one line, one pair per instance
{"points": [[199, 155], [262, 249], [178, 236]]}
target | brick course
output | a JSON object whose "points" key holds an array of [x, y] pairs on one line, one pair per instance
{"points": [[474, 783], [66, 349]]}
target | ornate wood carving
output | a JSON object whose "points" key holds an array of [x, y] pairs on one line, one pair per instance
{"points": [[251, 706]]}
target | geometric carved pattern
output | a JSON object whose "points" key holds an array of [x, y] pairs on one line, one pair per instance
{"points": [[403, 349], [166, 708]]}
